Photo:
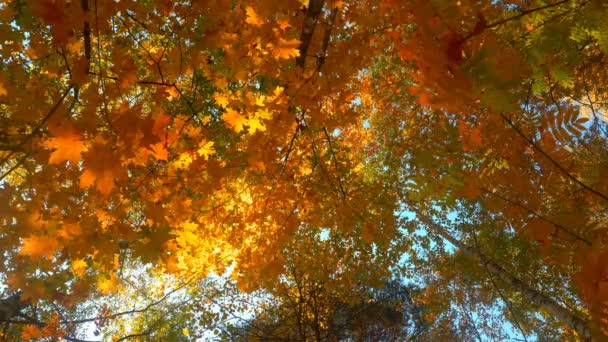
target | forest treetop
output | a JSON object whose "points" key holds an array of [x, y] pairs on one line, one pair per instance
{"points": [[196, 135]]}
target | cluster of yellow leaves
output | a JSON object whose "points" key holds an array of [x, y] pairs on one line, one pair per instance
{"points": [[258, 110]]}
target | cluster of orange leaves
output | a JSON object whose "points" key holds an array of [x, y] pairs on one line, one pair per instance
{"points": [[129, 151]]}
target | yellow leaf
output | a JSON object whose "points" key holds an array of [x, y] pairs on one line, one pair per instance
{"points": [[206, 149], [172, 93], [260, 101], [255, 125], [106, 286], [263, 114], [287, 49], [234, 120], [79, 267], [221, 99], [184, 160], [186, 332], [252, 17], [278, 91], [39, 246]]}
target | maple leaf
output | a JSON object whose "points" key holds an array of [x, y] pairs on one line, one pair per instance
{"points": [[124, 67], [286, 49], [234, 120], [449, 62], [221, 99], [159, 151], [283, 23], [39, 246], [259, 101], [252, 17], [184, 160], [31, 332], [106, 285], [255, 125], [66, 142], [101, 166], [79, 267], [70, 231], [206, 149], [263, 114]]}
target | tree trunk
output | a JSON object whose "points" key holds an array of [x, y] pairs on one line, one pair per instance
{"points": [[531, 294]]}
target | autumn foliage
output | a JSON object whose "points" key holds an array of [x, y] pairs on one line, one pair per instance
{"points": [[196, 136]]}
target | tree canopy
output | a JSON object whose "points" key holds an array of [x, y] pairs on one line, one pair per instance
{"points": [[462, 144]]}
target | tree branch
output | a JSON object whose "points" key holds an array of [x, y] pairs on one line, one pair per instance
{"points": [[310, 22], [553, 161], [531, 294]]}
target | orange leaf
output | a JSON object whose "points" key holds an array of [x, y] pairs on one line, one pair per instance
{"points": [[2, 89], [252, 17], [101, 166], [234, 120], [538, 229], [67, 143], [30, 332], [39, 246], [159, 151], [70, 231]]}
